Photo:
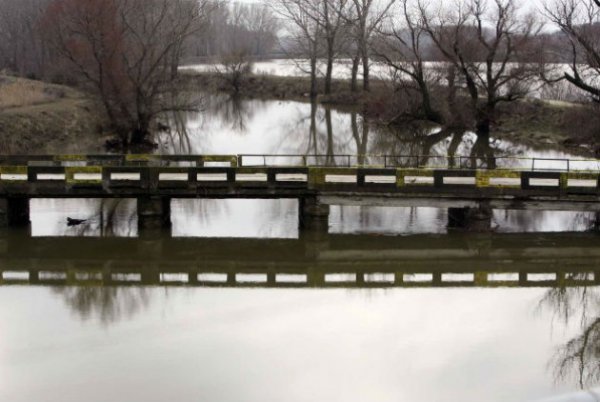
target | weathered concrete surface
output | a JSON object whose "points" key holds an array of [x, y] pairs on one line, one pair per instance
{"points": [[154, 214], [152, 180], [14, 211], [313, 215]]}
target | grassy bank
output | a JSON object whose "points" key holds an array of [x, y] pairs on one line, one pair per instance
{"points": [[37, 117], [538, 124]]}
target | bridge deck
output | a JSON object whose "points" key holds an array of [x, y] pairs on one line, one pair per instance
{"points": [[208, 177]]}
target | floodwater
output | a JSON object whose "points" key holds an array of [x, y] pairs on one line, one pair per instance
{"points": [[335, 317], [235, 303], [342, 70]]}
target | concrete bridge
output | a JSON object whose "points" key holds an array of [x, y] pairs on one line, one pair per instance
{"points": [[469, 190], [349, 261]]}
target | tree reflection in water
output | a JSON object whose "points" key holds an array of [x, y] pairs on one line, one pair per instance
{"points": [[314, 129], [108, 305], [579, 358], [112, 217]]}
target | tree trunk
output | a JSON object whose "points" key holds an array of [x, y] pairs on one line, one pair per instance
{"points": [[451, 97], [175, 59], [313, 78], [361, 140], [329, 74], [313, 128], [330, 148], [142, 131], [428, 111], [482, 148], [457, 138], [354, 81], [485, 116], [366, 69]]}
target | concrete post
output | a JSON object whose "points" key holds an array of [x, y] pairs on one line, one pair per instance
{"points": [[471, 219], [14, 212], [154, 215], [313, 216], [3, 213]]}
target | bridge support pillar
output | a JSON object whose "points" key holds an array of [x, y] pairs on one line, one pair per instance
{"points": [[471, 219], [14, 212], [313, 215], [154, 215]]}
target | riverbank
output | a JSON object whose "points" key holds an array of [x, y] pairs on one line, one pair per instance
{"points": [[38, 117], [535, 123]]}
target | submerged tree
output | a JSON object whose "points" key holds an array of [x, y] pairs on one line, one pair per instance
{"points": [[304, 34], [123, 52], [488, 44], [366, 18], [401, 47], [330, 14]]}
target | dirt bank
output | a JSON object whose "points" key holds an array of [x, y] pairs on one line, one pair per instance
{"points": [[37, 118]]}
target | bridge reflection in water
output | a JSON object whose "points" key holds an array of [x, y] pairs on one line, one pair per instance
{"points": [[319, 261]]}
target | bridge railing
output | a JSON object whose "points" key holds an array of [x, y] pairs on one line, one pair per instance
{"points": [[422, 161], [58, 179], [312, 160], [290, 172]]}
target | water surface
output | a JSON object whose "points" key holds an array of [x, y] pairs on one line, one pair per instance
{"points": [[118, 318], [235, 303]]}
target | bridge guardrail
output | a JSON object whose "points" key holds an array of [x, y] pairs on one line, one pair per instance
{"points": [[185, 175], [146, 178], [454, 162]]}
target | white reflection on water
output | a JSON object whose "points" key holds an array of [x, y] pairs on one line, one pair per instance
{"points": [[108, 217], [241, 126], [235, 218], [388, 220], [277, 219], [417, 345], [391, 220], [543, 221]]}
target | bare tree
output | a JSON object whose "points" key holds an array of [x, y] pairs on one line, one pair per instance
{"points": [[579, 21], [234, 68], [22, 47], [209, 41], [366, 19], [263, 26], [123, 50], [329, 14], [304, 34], [486, 41], [252, 33], [401, 49]]}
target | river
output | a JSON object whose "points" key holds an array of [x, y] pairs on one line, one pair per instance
{"points": [[236, 304]]}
